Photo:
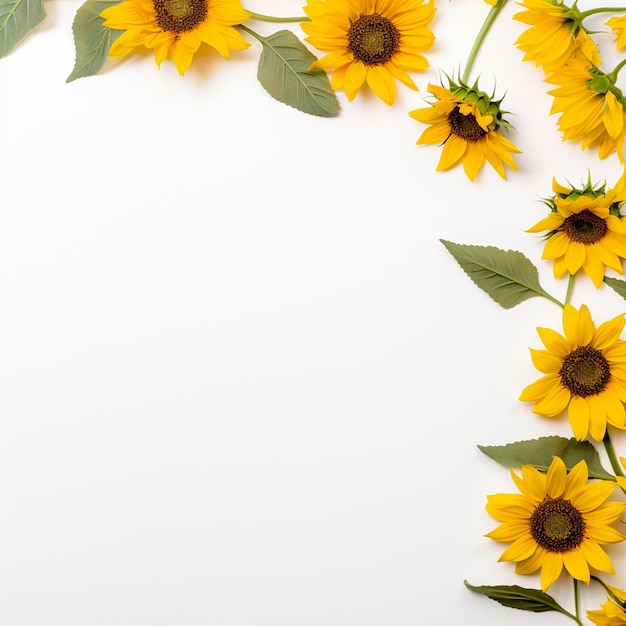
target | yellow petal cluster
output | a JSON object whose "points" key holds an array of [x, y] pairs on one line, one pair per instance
{"points": [[613, 612]]}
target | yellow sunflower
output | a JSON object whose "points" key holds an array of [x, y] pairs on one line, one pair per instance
{"points": [[591, 107], [555, 34], [370, 41], [467, 122], [618, 25], [613, 612], [584, 372], [176, 27], [558, 519], [585, 230]]}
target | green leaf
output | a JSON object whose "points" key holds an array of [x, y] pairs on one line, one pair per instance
{"points": [[619, 286], [17, 17], [285, 75], [517, 597], [507, 276], [539, 453], [92, 40]]}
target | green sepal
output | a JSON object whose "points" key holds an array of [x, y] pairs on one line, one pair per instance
{"points": [[516, 597], [507, 276], [17, 17], [92, 40], [284, 72], [539, 454]]}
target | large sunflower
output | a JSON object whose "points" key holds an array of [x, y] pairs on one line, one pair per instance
{"points": [[176, 27], [585, 230], [591, 107], [584, 372], [558, 519], [613, 612], [555, 34], [370, 41], [467, 122]]}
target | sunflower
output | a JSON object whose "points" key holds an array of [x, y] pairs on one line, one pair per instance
{"points": [[584, 372], [467, 122], [558, 519], [618, 25], [176, 27], [555, 34], [585, 230], [613, 612], [591, 107], [370, 41]]}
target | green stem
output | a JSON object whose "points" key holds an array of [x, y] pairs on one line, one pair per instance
{"points": [[577, 617], [608, 591], [610, 450], [251, 32], [570, 286], [585, 14], [276, 20], [482, 33], [613, 75]]}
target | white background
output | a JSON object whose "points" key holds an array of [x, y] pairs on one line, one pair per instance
{"points": [[242, 382]]}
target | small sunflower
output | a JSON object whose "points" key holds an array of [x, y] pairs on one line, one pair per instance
{"points": [[613, 612], [618, 25], [591, 107], [555, 34], [176, 27], [558, 519], [585, 230], [370, 41], [468, 123], [584, 372]]}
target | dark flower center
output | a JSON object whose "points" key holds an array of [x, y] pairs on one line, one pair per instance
{"points": [[585, 371], [178, 16], [465, 126], [373, 39], [557, 525], [585, 227]]}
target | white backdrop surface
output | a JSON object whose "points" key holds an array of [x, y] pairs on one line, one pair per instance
{"points": [[242, 382]]}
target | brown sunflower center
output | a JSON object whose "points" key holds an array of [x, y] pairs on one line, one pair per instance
{"points": [[465, 126], [178, 16], [373, 39], [557, 525], [585, 227], [585, 371]]}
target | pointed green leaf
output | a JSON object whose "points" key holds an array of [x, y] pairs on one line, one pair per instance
{"points": [[539, 453], [285, 75], [619, 286], [507, 276], [17, 17], [517, 597], [92, 40]]}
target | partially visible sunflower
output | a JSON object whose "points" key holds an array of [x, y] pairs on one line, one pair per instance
{"points": [[584, 372], [370, 41], [591, 107], [555, 34], [613, 612], [176, 28], [468, 124], [558, 520], [585, 230], [618, 25]]}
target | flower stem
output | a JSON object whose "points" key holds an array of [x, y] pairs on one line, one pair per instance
{"points": [[570, 286], [585, 14], [613, 75], [576, 603], [482, 33], [276, 20], [610, 450]]}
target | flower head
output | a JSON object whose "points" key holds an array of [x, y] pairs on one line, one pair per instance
{"points": [[468, 123], [591, 107], [613, 612], [176, 28], [618, 25], [370, 41], [584, 372], [556, 33], [585, 230], [558, 520]]}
